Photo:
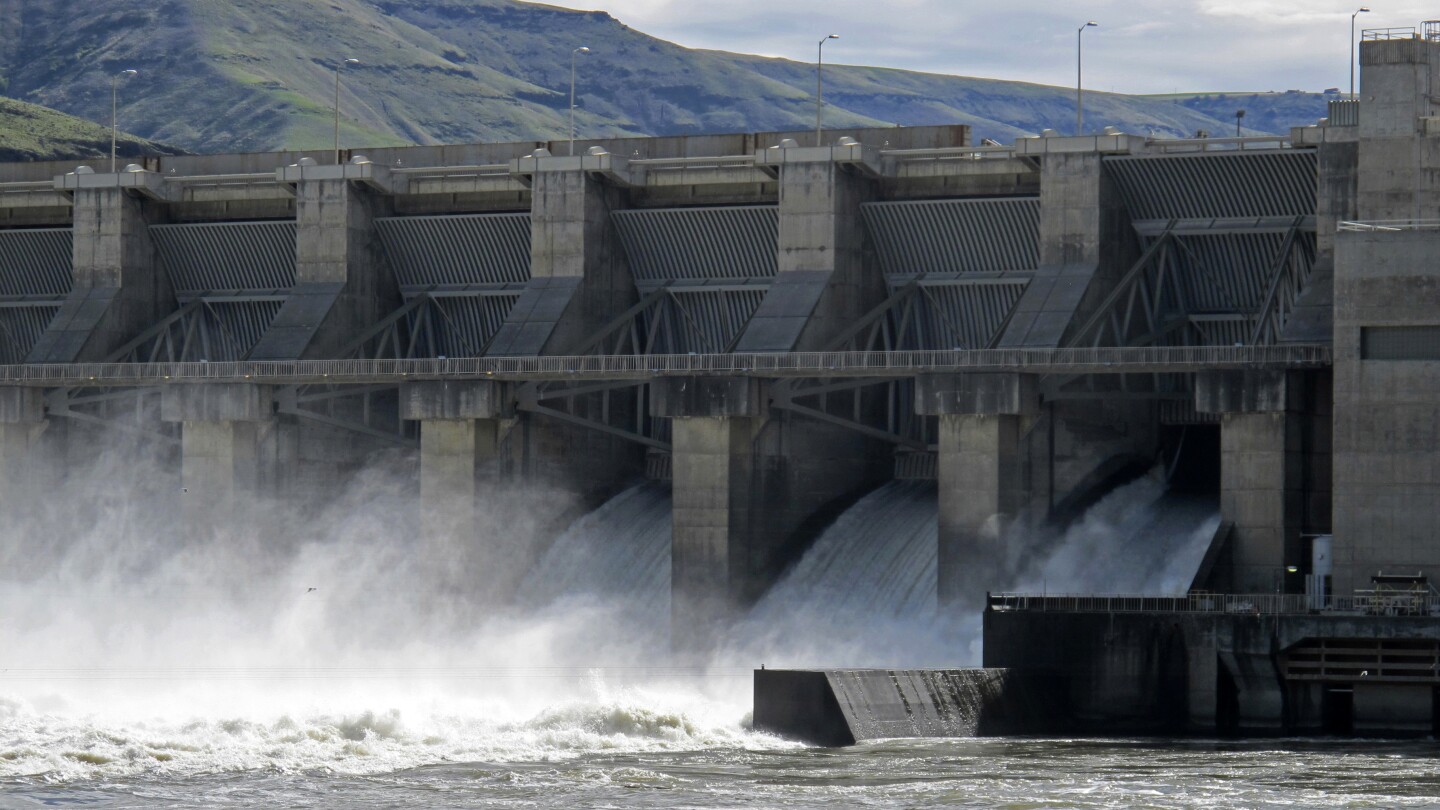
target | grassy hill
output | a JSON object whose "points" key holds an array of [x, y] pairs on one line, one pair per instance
{"points": [[250, 75], [32, 132]]}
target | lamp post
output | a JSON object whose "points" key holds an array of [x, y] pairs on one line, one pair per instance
{"points": [[1239, 114], [337, 103], [573, 55], [1358, 12], [820, 84], [115, 111], [1079, 74]]}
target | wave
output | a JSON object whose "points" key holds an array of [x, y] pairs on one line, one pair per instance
{"points": [[60, 747]]}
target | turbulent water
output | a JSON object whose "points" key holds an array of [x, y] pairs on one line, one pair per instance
{"points": [[349, 665], [754, 773]]}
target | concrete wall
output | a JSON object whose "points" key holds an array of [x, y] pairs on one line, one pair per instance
{"points": [[1203, 673], [1399, 155], [1387, 437], [844, 706]]}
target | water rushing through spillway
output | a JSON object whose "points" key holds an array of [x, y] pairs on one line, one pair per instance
{"points": [[877, 559], [619, 551]]}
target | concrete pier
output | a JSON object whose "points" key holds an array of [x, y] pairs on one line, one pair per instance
{"points": [[979, 473], [228, 448], [722, 544], [1261, 473], [22, 420], [460, 425]]}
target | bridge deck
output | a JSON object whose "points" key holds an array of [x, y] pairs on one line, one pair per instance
{"points": [[1122, 360]]}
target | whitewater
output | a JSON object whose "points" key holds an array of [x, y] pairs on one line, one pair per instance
{"points": [[309, 658]]}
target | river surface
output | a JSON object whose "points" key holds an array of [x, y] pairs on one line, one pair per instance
{"points": [[643, 767]]}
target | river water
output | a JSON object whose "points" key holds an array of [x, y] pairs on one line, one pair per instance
{"points": [[669, 765]]}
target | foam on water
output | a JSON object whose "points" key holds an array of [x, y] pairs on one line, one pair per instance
{"points": [[65, 746]]}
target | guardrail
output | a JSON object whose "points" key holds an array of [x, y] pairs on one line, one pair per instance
{"points": [[1264, 604], [1395, 225], [1246, 143], [1379, 34], [1168, 359], [439, 172], [949, 153]]}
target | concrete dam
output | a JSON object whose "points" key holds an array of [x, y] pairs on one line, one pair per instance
{"points": [[748, 376]]}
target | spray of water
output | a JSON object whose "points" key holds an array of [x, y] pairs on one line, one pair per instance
{"points": [[297, 638], [334, 637]]}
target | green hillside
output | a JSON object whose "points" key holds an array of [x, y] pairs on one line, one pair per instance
{"points": [[251, 75], [32, 132]]}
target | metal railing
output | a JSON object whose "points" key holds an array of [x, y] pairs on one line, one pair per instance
{"points": [[1391, 225], [948, 153], [1264, 604], [1246, 143], [453, 172], [1380, 34], [719, 162], [1101, 360]]}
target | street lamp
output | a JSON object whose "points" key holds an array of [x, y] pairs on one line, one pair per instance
{"points": [[1079, 72], [820, 84], [115, 111], [1358, 11], [573, 55], [1239, 114], [337, 103]]}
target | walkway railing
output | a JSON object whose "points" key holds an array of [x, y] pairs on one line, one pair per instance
{"points": [[1388, 225], [1114, 360], [1265, 604]]}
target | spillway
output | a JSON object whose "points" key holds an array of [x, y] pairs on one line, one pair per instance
{"points": [[620, 551], [1140, 538], [877, 559], [864, 594]]}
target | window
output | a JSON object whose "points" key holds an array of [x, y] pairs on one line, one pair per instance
{"points": [[1400, 343]]}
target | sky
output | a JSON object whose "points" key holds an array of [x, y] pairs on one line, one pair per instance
{"points": [[1140, 46]]}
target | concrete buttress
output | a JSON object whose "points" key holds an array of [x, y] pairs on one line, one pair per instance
{"points": [[342, 284], [119, 288]]}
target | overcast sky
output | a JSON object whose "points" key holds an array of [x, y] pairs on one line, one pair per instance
{"points": [[1141, 46]]}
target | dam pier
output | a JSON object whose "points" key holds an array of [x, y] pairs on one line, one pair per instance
{"points": [[772, 331]]}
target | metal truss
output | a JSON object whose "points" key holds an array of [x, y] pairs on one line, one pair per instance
{"points": [[1152, 303], [1289, 272], [617, 408], [848, 403]]}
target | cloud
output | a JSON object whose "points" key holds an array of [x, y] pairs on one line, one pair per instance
{"points": [[1141, 46]]}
